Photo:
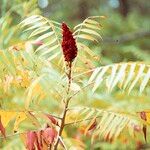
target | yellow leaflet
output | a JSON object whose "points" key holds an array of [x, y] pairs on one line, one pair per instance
{"points": [[23, 137], [33, 119], [7, 82], [64, 133], [21, 116], [22, 79], [148, 117], [6, 117], [25, 79], [18, 47], [76, 144], [30, 91]]}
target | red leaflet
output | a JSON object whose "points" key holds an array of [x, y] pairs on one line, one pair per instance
{"points": [[38, 43], [15, 48], [31, 140], [143, 116], [49, 135], [68, 44], [137, 128], [2, 129], [107, 137], [93, 125], [52, 119], [40, 139]]}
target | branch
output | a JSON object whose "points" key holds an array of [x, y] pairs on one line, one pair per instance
{"points": [[82, 120], [127, 37], [62, 124]]}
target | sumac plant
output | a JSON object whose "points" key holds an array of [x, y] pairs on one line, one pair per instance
{"points": [[54, 94]]}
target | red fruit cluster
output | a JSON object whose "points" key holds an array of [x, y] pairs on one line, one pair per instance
{"points": [[68, 44]]}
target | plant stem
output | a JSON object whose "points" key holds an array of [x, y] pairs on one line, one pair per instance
{"points": [[69, 77], [62, 125]]}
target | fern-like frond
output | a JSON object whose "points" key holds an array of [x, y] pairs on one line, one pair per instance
{"points": [[88, 29], [125, 75], [108, 124], [45, 31], [28, 76]]}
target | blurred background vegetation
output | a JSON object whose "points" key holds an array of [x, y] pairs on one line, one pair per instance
{"points": [[126, 34]]}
